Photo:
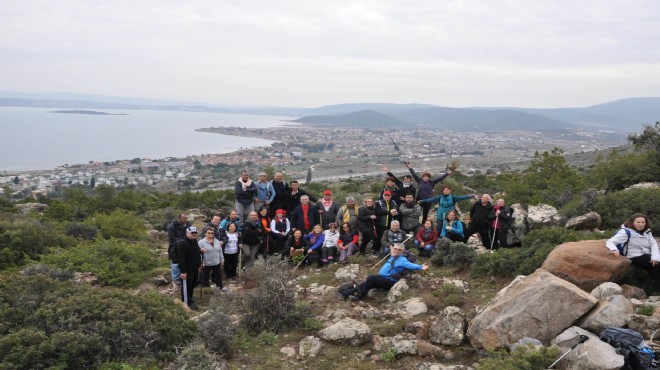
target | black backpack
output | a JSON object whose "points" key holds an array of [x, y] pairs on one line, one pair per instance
{"points": [[630, 344], [411, 257]]}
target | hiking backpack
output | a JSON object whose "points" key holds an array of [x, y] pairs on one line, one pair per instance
{"points": [[411, 257], [630, 344], [623, 247]]}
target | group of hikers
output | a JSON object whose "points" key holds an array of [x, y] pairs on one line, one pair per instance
{"points": [[276, 218]]}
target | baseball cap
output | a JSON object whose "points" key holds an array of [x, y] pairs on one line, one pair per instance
{"points": [[327, 192], [387, 192], [191, 229]]}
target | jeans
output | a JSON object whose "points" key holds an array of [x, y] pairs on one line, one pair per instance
{"points": [[427, 248], [176, 274]]}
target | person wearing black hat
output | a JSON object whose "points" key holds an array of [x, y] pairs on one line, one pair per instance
{"points": [[189, 260]]}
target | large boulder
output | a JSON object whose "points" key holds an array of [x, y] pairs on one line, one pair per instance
{"points": [[589, 221], [606, 291], [542, 215], [539, 306], [449, 328], [397, 290], [347, 332], [586, 263], [518, 226], [644, 185], [593, 354], [613, 312], [412, 307]]}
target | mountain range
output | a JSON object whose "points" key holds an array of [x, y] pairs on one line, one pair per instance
{"points": [[626, 115]]}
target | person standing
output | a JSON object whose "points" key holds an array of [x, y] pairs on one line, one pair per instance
{"points": [[367, 224], [252, 231], [304, 216], [425, 185], [410, 212], [189, 260], [327, 209], [639, 245], [232, 219], [386, 212], [281, 188], [213, 259], [348, 213], [479, 213], [232, 243], [446, 202], [265, 192], [293, 196], [245, 191], [405, 187], [500, 221], [176, 232]]}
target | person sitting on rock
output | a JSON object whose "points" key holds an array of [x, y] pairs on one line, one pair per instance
{"points": [[388, 275], [392, 236], [347, 244], [639, 245], [296, 244], [426, 238]]}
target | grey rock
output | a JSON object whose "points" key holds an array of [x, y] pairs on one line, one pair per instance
{"points": [[606, 291], [449, 328], [397, 291], [542, 215], [402, 344], [347, 332], [412, 307], [614, 312], [571, 337], [645, 325], [588, 221], [519, 226], [288, 351], [524, 342], [310, 346], [592, 355], [348, 273]]}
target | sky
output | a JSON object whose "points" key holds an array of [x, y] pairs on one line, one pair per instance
{"points": [[309, 53]]}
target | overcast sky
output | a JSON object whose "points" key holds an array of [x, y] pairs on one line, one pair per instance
{"points": [[309, 53]]}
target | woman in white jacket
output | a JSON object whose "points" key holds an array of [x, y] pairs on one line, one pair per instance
{"points": [[642, 249]]}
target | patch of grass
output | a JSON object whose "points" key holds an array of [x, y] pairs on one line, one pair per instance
{"points": [[388, 355], [453, 300], [312, 324], [268, 338], [645, 310]]}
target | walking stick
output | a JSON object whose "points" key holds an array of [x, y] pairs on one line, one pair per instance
{"points": [[300, 263], [240, 255], [184, 285], [492, 241], [583, 338], [372, 267], [201, 286]]}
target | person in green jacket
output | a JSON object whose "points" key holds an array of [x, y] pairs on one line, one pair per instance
{"points": [[446, 202]]}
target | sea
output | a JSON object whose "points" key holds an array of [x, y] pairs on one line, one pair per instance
{"points": [[37, 139]]}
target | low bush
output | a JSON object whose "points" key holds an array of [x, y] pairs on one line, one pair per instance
{"points": [[455, 254], [217, 332], [118, 224], [195, 356], [113, 262], [522, 358], [271, 306], [48, 323], [80, 230]]}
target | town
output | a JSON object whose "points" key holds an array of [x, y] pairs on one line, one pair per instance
{"points": [[325, 153]]}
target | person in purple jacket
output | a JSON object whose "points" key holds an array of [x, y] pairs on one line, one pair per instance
{"points": [[425, 191]]}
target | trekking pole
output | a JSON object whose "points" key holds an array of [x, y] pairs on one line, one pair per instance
{"points": [[184, 285], [201, 286], [492, 241], [300, 263], [583, 338], [240, 257], [372, 267]]}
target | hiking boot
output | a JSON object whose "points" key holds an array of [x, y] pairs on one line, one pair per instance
{"points": [[356, 298]]}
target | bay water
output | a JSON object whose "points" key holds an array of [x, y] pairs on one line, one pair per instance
{"points": [[37, 139]]}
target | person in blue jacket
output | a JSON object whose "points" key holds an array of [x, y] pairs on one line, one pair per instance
{"points": [[452, 227], [388, 275], [446, 202]]}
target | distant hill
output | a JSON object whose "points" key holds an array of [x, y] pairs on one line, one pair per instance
{"points": [[364, 118]]}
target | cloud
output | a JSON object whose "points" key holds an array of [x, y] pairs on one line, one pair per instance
{"points": [[307, 53]]}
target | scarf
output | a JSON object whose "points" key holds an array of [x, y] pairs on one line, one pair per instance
{"points": [[245, 183], [326, 204]]}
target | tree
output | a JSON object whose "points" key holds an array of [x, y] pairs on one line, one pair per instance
{"points": [[16, 180], [308, 179], [92, 183], [648, 139]]}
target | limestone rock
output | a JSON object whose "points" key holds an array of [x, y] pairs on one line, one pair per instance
{"points": [[434, 366], [586, 263], [571, 337], [589, 221], [645, 325], [592, 355], [397, 291], [462, 284], [322, 290], [402, 344], [606, 291], [348, 273], [519, 226], [525, 342], [425, 348], [540, 306], [644, 185], [288, 351], [31, 207], [614, 312], [347, 332], [412, 307], [449, 329], [309, 346], [630, 292], [542, 215]]}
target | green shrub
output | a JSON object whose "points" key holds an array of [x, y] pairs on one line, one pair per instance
{"points": [[24, 239], [455, 254], [615, 208], [268, 338], [217, 332], [80, 230], [388, 355], [119, 224], [113, 262], [48, 323], [312, 324], [196, 356], [522, 358]]}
